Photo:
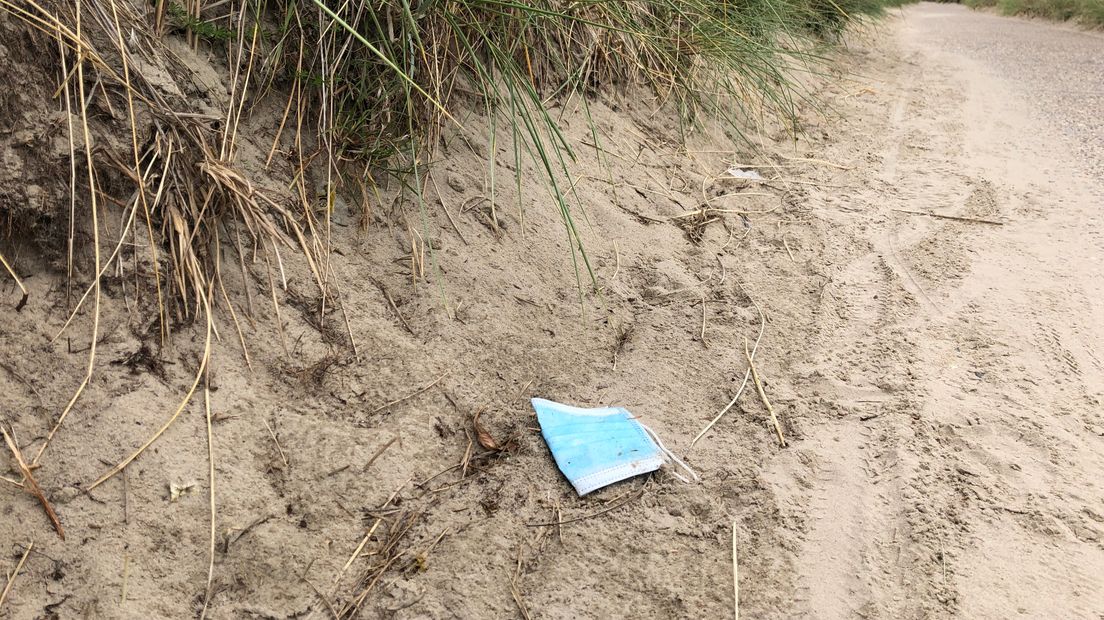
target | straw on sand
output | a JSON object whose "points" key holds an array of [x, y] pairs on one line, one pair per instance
{"points": [[14, 574], [747, 373], [31, 485], [735, 576]]}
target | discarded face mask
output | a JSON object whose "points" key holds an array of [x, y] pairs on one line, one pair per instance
{"points": [[747, 175], [597, 447]]}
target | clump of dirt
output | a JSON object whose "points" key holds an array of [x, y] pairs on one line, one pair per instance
{"points": [[34, 146]]}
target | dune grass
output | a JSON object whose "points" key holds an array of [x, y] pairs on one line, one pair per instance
{"points": [[369, 87], [366, 88], [396, 70]]}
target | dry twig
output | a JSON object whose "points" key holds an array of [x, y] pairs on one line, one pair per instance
{"points": [[747, 374], [380, 452], [395, 308], [211, 475], [180, 409], [763, 395], [364, 541], [22, 380], [92, 191], [515, 588], [31, 485], [560, 522], [411, 395], [972, 220], [786, 244], [735, 577], [271, 433], [18, 282], [14, 574]]}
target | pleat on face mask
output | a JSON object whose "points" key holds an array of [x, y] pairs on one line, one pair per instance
{"points": [[597, 447]]}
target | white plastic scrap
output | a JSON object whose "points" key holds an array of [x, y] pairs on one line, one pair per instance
{"points": [[749, 175]]}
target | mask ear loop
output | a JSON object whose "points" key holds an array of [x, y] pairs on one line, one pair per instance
{"points": [[671, 455]]}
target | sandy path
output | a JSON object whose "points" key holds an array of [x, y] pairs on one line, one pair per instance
{"points": [[971, 485]]}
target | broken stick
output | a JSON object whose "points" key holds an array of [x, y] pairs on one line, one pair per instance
{"points": [[32, 485], [972, 220], [735, 577], [763, 395], [14, 574]]}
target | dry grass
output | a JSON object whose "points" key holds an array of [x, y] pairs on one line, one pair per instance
{"points": [[190, 203], [15, 573]]}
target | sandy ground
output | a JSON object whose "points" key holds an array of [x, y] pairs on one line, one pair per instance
{"points": [[939, 381]]}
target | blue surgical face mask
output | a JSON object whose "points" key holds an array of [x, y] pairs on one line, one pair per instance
{"points": [[597, 447]]}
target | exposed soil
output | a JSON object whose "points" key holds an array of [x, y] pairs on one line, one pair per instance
{"points": [[939, 381]]}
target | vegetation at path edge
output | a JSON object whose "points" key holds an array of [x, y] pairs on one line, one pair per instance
{"points": [[1087, 12]]}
